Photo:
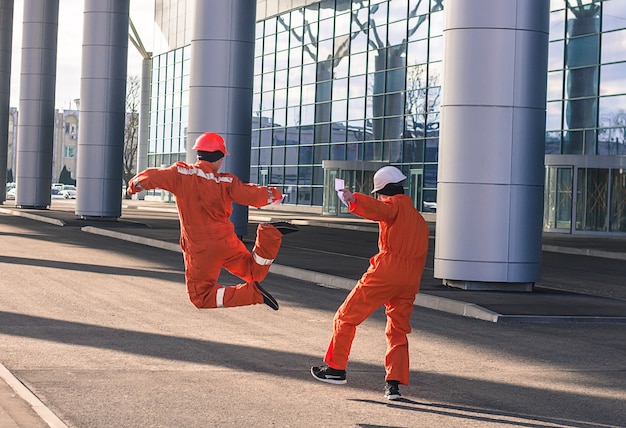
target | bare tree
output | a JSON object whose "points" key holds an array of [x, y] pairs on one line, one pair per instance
{"points": [[131, 128]]}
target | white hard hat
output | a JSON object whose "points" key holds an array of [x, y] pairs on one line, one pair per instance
{"points": [[386, 175]]}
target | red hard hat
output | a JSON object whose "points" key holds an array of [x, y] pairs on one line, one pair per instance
{"points": [[210, 142]]}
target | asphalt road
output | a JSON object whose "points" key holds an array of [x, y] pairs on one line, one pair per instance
{"points": [[102, 332]]}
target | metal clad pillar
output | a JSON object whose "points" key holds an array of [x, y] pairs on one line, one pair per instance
{"points": [[221, 81], [144, 119], [491, 156], [6, 41], [36, 107], [100, 150]]}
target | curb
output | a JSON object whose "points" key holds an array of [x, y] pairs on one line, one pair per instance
{"points": [[27, 395]]}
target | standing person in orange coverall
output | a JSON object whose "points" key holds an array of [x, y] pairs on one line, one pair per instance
{"points": [[208, 241], [392, 279]]}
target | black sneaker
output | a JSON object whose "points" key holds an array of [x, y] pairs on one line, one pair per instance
{"points": [[329, 375], [284, 227], [392, 392], [268, 299]]}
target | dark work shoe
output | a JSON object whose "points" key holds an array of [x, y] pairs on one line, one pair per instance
{"points": [[392, 392], [268, 299], [284, 227], [329, 375]]}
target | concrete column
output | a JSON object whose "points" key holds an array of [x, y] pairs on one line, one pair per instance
{"points": [[100, 151], [490, 189], [6, 40], [220, 89], [37, 91], [144, 119]]}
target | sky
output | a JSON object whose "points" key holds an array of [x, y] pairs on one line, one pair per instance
{"points": [[69, 47]]}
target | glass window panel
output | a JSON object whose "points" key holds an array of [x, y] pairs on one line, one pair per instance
{"points": [[557, 25], [436, 24], [256, 102], [258, 65], [342, 24], [293, 97], [269, 44], [293, 115], [555, 55], [341, 68], [309, 72], [413, 150], [291, 177], [340, 89], [435, 71], [358, 64], [582, 82], [282, 40], [325, 49], [614, 46], [278, 153], [291, 155], [305, 175], [418, 7], [280, 80], [553, 142], [418, 27], [378, 34], [320, 153], [268, 63], [397, 32], [613, 111], [266, 139], [356, 108], [431, 151], [613, 79], [326, 29], [617, 213], [295, 77], [358, 86], [581, 113], [339, 113], [436, 49], [307, 114], [397, 10], [338, 152], [417, 52], [305, 155], [582, 51], [583, 19], [613, 15], [267, 101], [553, 115], [591, 199], [555, 85], [277, 175], [279, 117], [308, 94], [359, 42], [282, 60], [309, 54], [295, 56], [268, 82]]}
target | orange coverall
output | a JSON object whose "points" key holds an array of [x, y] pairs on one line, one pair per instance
{"points": [[392, 279], [207, 236]]}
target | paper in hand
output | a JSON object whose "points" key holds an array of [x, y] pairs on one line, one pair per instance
{"points": [[339, 185]]}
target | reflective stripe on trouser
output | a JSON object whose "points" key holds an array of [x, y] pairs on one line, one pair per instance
{"points": [[372, 291], [203, 263]]}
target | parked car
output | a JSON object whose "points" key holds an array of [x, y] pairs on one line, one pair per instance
{"points": [[56, 193], [68, 191], [11, 193]]}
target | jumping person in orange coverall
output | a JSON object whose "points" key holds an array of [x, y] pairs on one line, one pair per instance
{"points": [[392, 279], [207, 236]]}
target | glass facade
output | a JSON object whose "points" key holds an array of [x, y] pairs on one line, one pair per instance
{"points": [[353, 82], [586, 116], [341, 87]]}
